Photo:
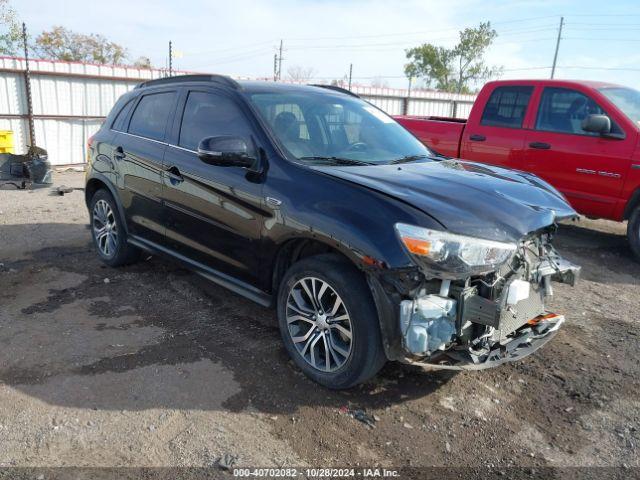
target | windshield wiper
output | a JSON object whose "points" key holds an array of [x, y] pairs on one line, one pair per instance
{"points": [[335, 160], [408, 158]]}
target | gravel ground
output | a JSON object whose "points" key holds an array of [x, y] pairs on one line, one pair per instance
{"points": [[149, 365]]}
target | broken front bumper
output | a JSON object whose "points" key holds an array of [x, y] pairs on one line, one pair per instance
{"points": [[526, 340]]}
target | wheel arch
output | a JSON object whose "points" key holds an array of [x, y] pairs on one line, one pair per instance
{"points": [[98, 182], [632, 204], [296, 249]]}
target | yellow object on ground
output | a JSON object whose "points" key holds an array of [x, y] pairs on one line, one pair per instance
{"points": [[6, 141]]}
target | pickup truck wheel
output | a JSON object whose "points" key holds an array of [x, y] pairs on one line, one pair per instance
{"points": [[329, 323], [633, 232], [108, 233]]}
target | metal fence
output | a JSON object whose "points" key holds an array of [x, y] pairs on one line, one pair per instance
{"points": [[70, 101]]}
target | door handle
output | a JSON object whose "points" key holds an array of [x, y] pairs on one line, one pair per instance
{"points": [[119, 154], [477, 138], [174, 175], [540, 145]]}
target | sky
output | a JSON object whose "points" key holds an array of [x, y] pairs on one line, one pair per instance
{"points": [[600, 40]]}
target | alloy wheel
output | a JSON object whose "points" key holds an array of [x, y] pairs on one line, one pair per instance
{"points": [[105, 229], [319, 324]]}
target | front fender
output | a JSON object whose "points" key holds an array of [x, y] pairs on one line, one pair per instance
{"points": [[354, 219]]}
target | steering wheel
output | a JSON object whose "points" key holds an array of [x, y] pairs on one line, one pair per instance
{"points": [[357, 147]]}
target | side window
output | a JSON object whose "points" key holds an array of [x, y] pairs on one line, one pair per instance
{"points": [[118, 122], [150, 117], [506, 107], [563, 110], [207, 115]]}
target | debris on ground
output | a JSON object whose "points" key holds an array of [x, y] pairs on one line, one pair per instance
{"points": [[62, 189], [227, 461], [360, 415]]}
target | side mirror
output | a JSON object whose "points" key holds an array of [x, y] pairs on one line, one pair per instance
{"points": [[225, 151], [597, 124]]}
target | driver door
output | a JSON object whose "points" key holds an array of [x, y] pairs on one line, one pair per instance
{"points": [[213, 212], [587, 168]]}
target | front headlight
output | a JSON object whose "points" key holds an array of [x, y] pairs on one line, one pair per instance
{"points": [[453, 256]]}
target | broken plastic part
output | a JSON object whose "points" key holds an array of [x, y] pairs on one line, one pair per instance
{"points": [[427, 323], [518, 290]]}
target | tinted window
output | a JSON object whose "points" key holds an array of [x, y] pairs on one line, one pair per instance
{"points": [[118, 123], [506, 107], [563, 110], [150, 116], [209, 115], [309, 125]]}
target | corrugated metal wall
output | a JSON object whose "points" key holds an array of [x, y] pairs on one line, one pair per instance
{"points": [[70, 101]]}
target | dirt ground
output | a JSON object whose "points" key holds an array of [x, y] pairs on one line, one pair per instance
{"points": [[149, 365]]}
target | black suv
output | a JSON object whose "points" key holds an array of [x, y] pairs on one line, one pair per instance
{"points": [[370, 246]]}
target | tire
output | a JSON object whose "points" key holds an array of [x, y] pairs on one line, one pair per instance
{"points": [[322, 330], [112, 246], [633, 232]]}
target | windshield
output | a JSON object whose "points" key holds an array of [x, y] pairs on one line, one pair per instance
{"points": [[326, 128], [627, 100]]}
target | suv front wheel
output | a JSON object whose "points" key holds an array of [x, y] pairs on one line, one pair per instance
{"points": [[108, 233], [329, 322]]}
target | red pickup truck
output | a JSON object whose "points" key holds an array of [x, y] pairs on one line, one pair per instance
{"points": [[582, 137]]}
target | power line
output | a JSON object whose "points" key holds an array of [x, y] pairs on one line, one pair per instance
{"points": [[600, 39], [230, 49], [421, 32]]}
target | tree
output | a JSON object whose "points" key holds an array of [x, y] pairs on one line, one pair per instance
{"points": [[10, 31], [379, 82], [143, 62], [454, 69], [300, 74], [63, 44]]}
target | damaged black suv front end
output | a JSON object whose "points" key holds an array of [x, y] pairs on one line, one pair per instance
{"points": [[479, 303]]}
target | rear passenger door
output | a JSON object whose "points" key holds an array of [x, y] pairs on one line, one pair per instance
{"points": [[214, 213], [497, 136], [138, 152]]}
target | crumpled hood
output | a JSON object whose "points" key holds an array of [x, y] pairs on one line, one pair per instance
{"points": [[467, 198]]}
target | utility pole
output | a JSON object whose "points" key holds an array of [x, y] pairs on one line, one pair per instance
{"points": [[555, 56], [170, 58], [275, 67], [405, 103], [27, 82], [280, 62], [350, 74]]}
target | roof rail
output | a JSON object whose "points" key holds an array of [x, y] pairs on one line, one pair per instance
{"points": [[336, 88], [221, 79]]}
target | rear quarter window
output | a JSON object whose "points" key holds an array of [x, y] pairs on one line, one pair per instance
{"points": [[506, 107], [120, 118], [150, 117]]}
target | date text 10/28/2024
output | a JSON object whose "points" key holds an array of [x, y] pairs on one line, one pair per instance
{"points": [[316, 472]]}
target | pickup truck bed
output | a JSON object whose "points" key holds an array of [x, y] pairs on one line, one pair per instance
{"points": [[442, 134]]}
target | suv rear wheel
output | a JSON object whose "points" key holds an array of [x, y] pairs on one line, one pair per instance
{"points": [[329, 323], [633, 232], [108, 233]]}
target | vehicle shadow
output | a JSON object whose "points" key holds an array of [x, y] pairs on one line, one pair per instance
{"points": [[75, 333], [603, 255]]}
